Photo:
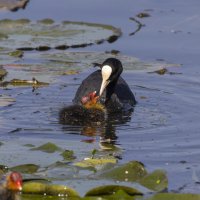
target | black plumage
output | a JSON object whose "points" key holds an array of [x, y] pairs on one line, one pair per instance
{"points": [[117, 96]]}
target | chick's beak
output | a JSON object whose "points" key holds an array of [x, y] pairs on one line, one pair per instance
{"points": [[19, 185]]}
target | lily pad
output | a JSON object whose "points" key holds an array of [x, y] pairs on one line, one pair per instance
{"points": [[13, 5], [68, 155], [46, 189], [171, 196], [131, 171], [26, 169], [16, 53], [46, 33], [48, 148], [45, 66], [112, 189], [3, 72], [156, 181], [90, 162]]}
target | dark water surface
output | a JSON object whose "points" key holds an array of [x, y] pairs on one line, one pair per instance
{"points": [[164, 129]]}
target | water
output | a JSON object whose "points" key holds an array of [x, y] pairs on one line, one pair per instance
{"points": [[163, 131]]}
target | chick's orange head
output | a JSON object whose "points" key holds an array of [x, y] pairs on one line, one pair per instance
{"points": [[14, 181], [91, 98]]}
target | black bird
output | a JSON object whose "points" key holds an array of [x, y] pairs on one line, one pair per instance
{"points": [[113, 90]]}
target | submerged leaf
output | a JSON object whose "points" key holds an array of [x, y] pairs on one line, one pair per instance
{"points": [[48, 148], [26, 168]]}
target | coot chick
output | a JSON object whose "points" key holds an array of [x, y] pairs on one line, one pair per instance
{"points": [[10, 186], [89, 112], [113, 90]]}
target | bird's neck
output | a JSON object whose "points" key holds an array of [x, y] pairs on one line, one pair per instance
{"points": [[110, 90]]}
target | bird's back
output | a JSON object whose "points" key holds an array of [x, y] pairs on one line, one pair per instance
{"points": [[122, 98]]}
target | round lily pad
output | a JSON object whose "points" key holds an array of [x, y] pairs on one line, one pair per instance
{"points": [[46, 189], [45, 34]]}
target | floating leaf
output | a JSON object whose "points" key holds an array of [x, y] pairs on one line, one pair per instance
{"points": [[46, 34], [68, 155], [143, 15], [171, 196], [39, 197], [70, 72], [46, 21], [160, 71], [29, 145], [27, 168], [131, 171], [3, 168], [33, 82], [3, 72], [48, 148], [156, 181], [46, 189], [112, 189], [13, 5], [16, 53], [89, 162]]}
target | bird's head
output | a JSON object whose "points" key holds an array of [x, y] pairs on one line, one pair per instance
{"points": [[91, 101], [14, 181], [111, 69]]}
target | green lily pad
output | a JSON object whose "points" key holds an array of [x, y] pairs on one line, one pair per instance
{"points": [[68, 155], [46, 189], [17, 53], [46, 33], [48, 148], [171, 196], [39, 197], [94, 162], [156, 181], [131, 171], [26, 169], [33, 82], [112, 189]]}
